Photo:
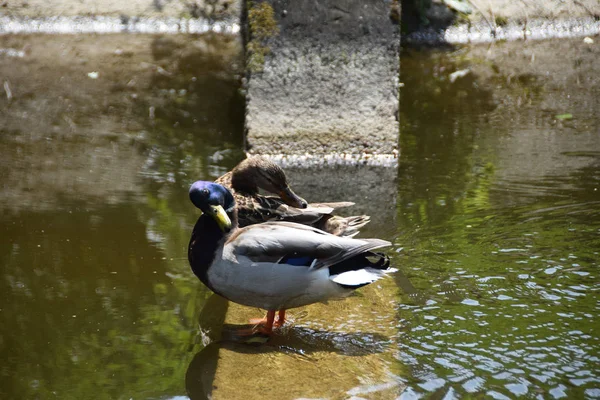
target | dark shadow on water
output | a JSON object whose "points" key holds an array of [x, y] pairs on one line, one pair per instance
{"points": [[203, 367], [212, 316], [418, 15], [201, 372]]}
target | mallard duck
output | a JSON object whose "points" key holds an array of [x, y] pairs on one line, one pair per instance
{"points": [[275, 265], [255, 173]]}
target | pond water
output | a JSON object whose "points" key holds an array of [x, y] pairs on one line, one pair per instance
{"points": [[500, 223], [494, 218]]}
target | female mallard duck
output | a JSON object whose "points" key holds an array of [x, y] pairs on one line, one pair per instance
{"points": [[275, 265], [257, 172]]}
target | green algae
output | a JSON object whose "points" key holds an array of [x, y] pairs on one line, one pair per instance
{"points": [[263, 26]]}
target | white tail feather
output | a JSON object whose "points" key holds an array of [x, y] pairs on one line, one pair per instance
{"points": [[360, 277]]}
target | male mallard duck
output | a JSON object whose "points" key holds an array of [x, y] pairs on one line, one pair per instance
{"points": [[275, 265], [257, 172]]}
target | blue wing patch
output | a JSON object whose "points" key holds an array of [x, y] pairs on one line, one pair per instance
{"points": [[297, 261]]}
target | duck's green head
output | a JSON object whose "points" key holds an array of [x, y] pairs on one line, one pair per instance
{"points": [[214, 200]]}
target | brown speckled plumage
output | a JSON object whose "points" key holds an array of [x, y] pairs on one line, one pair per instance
{"points": [[256, 172]]}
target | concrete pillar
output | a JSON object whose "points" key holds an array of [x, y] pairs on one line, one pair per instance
{"points": [[323, 80]]}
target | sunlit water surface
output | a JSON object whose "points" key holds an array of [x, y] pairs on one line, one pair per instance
{"points": [[499, 220], [496, 231]]}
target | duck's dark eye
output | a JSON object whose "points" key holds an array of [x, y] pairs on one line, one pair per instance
{"points": [[205, 192]]}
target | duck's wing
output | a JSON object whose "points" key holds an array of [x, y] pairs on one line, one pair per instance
{"points": [[276, 241], [319, 215], [256, 209], [343, 226], [283, 212]]}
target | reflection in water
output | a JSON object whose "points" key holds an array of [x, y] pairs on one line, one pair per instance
{"points": [[97, 298], [85, 293], [501, 238]]}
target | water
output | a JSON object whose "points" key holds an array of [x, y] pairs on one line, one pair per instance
{"points": [[500, 227], [97, 297], [493, 215]]}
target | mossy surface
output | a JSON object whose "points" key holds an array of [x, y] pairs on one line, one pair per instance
{"points": [[263, 26], [501, 21]]}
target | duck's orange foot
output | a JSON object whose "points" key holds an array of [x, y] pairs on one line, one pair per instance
{"points": [[260, 329], [269, 320], [280, 319], [264, 326]]}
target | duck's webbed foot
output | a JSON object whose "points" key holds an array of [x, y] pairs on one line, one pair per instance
{"points": [[266, 324], [280, 319]]}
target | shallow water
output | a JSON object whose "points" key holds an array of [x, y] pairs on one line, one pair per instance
{"points": [[493, 215]]}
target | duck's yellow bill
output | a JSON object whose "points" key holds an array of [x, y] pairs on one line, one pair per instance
{"points": [[219, 214]]}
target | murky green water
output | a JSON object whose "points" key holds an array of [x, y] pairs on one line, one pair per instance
{"points": [[496, 232], [500, 228]]}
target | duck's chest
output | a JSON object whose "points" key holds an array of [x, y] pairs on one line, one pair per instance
{"points": [[267, 285], [202, 249]]}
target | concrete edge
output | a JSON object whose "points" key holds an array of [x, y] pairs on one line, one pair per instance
{"points": [[333, 159], [105, 24], [483, 32], [480, 32]]}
